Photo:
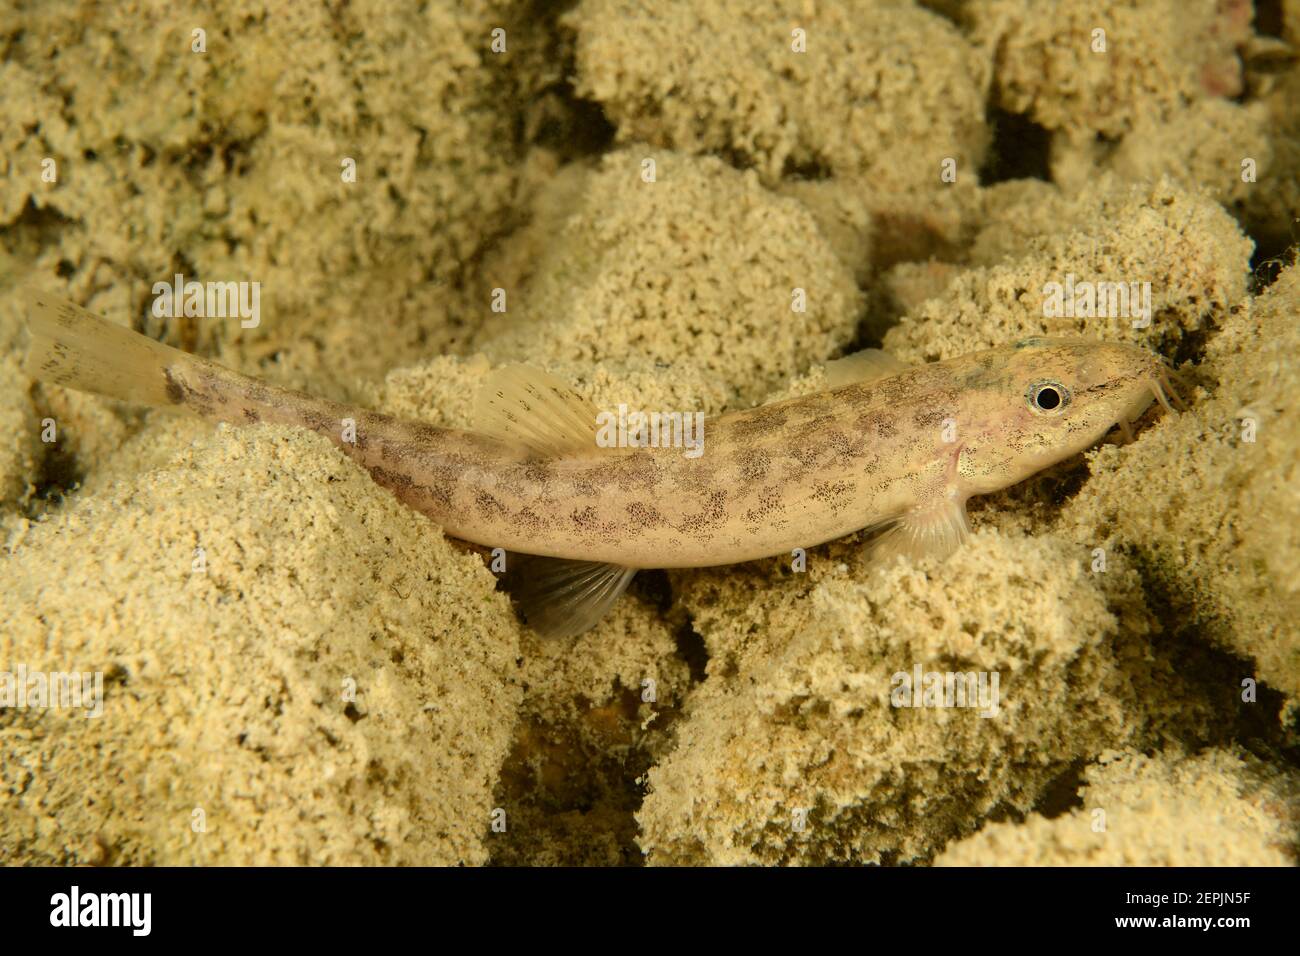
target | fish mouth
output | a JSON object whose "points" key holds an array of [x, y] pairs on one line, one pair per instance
{"points": [[1162, 390]]}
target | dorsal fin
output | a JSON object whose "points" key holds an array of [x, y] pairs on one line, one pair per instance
{"points": [[525, 405], [563, 598], [864, 366]]}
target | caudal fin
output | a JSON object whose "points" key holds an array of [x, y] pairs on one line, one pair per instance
{"points": [[73, 347]]}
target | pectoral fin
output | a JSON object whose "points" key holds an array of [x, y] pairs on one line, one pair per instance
{"points": [[934, 530], [562, 598]]}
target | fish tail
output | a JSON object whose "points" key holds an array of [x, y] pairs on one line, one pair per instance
{"points": [[73, 347]]}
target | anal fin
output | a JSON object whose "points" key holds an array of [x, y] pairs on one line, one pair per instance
{"points": [[564, 598]]}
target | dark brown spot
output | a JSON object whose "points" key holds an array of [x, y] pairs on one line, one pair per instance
{"points": [[645, 516], [754, 464], [836, 495], [488, 505], [175, 391], [929, 418], [395, 480]]}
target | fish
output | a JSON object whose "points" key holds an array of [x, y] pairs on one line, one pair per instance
{"points": [[887, 447]]}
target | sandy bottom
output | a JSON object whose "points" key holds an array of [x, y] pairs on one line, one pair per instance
{"points": [[692, 207]]}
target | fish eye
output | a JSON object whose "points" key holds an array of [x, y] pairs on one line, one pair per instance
{"points": [[1048, 398]]}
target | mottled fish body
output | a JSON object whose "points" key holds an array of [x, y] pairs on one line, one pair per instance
{"points": [[887, 446]]}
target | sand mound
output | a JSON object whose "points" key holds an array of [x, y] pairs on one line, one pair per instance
{"points": [[297, 670]]}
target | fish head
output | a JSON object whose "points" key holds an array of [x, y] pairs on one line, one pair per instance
{"points": [[1040, 401]]}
